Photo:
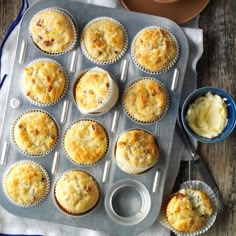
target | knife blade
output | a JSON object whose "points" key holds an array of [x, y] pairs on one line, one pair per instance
{"points": [[199, 163]]}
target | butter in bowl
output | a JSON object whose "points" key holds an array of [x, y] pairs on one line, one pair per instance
{"points": [[209, 114]]}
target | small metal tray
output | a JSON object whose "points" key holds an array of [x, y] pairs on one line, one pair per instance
{"points": [[129, 204]]}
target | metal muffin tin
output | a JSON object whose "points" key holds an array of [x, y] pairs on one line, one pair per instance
{"points": [[129, 204]]}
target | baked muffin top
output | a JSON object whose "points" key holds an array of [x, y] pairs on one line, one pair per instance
{"points": [[104, 40], [154, 49], [35, 133], [52, 31], [138, 147], [86, 142], [145, 100], [92, 89], [77, 192], [44, 81], [188, 209], [26, 183]]}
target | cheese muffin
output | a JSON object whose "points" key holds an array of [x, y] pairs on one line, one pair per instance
{"points": [[76, 192], [26, 184], [145, 100], [188, 210], [136, 151], [85, 142], [95, 91], [53, 31], [35, 133], [104, 40], [44, 82], [154, 49]]}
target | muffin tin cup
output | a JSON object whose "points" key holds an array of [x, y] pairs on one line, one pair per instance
{"points": [[72, 22], [35, 154], [125, 165], [85, 164], [107, 103], [66, 86], [75, 214], [105, 62], [198, 185], [127, 202], [158, 118], [31, 204], [172, 63]]}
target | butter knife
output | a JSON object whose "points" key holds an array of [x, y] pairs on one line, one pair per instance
{"points": [[199, 163]]}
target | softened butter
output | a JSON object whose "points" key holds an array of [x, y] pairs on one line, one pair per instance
{"points": [[207, 115]]}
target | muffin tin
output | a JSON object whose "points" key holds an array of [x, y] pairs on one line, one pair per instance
{"points": [[129, 204]]}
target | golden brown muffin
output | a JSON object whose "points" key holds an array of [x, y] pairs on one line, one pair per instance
{"points": [[26, 183], [154, 49], [86, 142], [188, 210], [145, 100], [35, 133], [44, 82], [76, 192], [53, 31], [104, 40], [95, 91], [136, 151]]}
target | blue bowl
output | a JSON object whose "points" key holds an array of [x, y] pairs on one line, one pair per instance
{"points": [[231, 113]]}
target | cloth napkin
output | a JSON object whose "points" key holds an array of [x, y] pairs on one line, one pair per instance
{"points": [[10, 224]]}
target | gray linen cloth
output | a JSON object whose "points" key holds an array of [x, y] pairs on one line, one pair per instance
{"points": [[15, 225]]}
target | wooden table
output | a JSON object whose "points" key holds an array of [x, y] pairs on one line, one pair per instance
{"points": [[217, 67]]}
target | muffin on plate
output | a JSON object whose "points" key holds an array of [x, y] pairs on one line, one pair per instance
{"points": [[44, 82], [53, 31], [188, 210], [95, 91], [85, 142], [76, 192], [35, 133], [136, 151], [145, 100], [104, 40], [26, 183], [155, 49]]}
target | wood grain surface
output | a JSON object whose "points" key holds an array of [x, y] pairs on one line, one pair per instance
{"points": [[217, 67]]}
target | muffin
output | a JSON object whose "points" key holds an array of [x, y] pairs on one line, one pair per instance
{"points": [[136, 151], [35, 133], [76, 192], [44, 82], [26, 183], [145, 100], [154, 49], [104, 40], [53, 31], [188, 210], [85, 142], [95, 91]]}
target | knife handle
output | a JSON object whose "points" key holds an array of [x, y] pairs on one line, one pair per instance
{"points": [[205, 173]]}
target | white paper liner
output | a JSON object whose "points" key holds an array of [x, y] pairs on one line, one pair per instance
{"points": [[125, 166], [105, 62], [42, 104], [35, 154], [108, 102], [158, 118], [84, 164], [161, 70], [46, 190], [198, 185], [72, 22], [65, 211]]}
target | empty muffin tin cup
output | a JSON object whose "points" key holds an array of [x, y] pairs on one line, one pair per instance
{"points": [[128, 202]]}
